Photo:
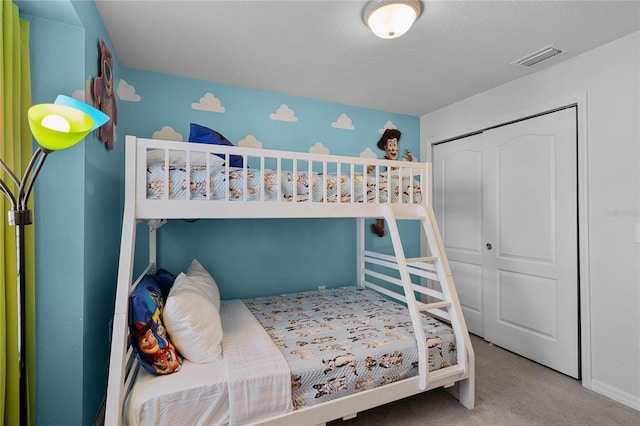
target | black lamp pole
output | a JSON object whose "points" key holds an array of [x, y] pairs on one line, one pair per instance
{"points": [[55, 127], [20, 216]]}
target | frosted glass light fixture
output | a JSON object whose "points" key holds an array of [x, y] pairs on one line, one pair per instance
{"points": [[391, 18]]}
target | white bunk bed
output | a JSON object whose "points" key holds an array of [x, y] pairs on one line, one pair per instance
{"points": [[306, 186]]}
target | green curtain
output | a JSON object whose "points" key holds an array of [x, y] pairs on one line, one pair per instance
{"points": [[15, 151]]}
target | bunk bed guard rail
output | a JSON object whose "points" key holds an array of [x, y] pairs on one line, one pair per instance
{"points": [[287, 184]]}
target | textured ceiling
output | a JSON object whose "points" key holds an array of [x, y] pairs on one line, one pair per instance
{"points": [[323, 50]]}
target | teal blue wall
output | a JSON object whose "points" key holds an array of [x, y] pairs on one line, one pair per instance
{"points": [[163, 100], [79, 203], [103, 202], [257, 257], [78, 213], [59, 233]]}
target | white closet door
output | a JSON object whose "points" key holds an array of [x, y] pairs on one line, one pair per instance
{"points": [[457, 201], [506, 205], [531, 224]]}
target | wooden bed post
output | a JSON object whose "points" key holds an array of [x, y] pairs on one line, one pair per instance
{"points": [[152, 245], [360, 247], [119, 338], [466, 355]]}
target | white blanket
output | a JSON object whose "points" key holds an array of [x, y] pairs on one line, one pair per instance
{"points": [[258, 376], [195, 395], [251, 381]]}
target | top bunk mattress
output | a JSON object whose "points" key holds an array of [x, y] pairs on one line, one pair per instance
{"points": [[271, 185], [196, 171]]}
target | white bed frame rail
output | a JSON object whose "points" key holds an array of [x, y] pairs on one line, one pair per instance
{"points": [[297, 162], [434, 291]]}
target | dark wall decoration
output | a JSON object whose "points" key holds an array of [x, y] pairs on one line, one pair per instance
{"points": [[104, 96]]}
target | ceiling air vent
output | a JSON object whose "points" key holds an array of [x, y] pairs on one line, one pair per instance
{"points": [[538, 56]]}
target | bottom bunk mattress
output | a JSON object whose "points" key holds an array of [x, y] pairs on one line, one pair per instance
{"points": [[341, 341], [251, 381], [286, 352]]}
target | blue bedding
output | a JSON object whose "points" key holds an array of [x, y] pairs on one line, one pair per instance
{"points": [[291, 186], [346, 340]]}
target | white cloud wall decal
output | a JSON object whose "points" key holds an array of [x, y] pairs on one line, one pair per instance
{"points": [[343, 122], [209, 103], [127, 92], [368, 153], [388, 125], [167, 133], [319, 148], [250, 142], [284, 113]]}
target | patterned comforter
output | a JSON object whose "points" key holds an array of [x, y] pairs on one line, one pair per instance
{"points": [[342, 341], [303, 183]]}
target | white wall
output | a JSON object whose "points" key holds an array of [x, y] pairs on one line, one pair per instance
{"points": [[609, 76]]}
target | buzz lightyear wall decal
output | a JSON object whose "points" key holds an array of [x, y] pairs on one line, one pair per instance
{"points": [[390, 144]]}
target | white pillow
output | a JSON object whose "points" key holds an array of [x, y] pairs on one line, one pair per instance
{"points": [[180, 157], [204, 281], [193, 322]]}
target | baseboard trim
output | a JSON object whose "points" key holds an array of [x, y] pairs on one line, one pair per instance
{"points": [[615, 394]]}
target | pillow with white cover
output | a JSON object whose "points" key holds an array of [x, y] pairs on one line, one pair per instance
{"points": [[180, 157], [203, 280], [192, 320]]}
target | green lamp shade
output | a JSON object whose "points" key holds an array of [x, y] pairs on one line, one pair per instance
{"points": [[98, 117], [57, 127]]}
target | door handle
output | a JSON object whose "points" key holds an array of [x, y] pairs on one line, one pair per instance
{"points": [[489, 246]]}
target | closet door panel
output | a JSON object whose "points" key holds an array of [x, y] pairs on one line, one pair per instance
{"points": [[457, 200], [463, 207], [526, 186], [530, 272], [535, 318]]}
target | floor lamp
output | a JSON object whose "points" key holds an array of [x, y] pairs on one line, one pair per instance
{"points": [[54, 126]]}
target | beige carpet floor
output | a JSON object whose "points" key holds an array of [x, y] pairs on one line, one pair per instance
{"points": [[510, 391]]}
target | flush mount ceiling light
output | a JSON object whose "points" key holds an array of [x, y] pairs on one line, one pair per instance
{"points": [[391, 18]]}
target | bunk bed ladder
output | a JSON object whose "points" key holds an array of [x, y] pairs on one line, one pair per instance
{"points": [[436, 268]]}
